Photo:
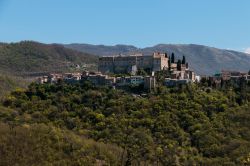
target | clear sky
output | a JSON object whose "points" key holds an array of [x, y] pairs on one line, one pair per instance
{"points": [[218, 23]]}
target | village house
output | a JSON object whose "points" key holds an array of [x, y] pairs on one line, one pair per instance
{"points": [[248, 78], [225, 76], [72, 77], [98, 78], [53, 77], [129, 80], [42, 80], [149, 83], [216, 80], [181, 75], [175, 82], [136, 80]]}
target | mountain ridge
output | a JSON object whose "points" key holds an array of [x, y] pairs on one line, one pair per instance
{"points": [[204, 60]]}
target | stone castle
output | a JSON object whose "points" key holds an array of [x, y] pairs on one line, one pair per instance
{"points": [[132, 63]]}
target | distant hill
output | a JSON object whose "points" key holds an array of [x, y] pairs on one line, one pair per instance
{"points": [[20, 62], [202, 59], [32, 57], [101, 50]]}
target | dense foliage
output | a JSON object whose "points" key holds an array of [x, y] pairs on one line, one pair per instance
{"points": [[40, 144], [9, 83], [189, 125]]}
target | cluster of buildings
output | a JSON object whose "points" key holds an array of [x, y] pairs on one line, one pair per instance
{"points": [[97, 78], [181, 76], [177, 73], [150, 63], [55, 77], [225, 76]]}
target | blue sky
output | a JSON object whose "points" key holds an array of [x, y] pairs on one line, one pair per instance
{"points": [[218, 23]]}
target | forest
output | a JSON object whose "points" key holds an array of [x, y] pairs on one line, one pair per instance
{"points": [[82, 124]]}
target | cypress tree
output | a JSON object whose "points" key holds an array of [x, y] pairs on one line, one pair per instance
{"points": [[179, 65], [172, 58], [169, 64], [166, 55], [183, 60]]}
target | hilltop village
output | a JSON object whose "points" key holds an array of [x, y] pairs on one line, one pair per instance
{"points": [[144, 70], [132, 70]]}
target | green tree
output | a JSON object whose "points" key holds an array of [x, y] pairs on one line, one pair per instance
{"points": [[183, 60], [179, 65], [166, 55], [172, 58], [188, 125], [169, 64]]}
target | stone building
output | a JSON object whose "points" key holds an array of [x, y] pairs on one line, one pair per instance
{"points": [[128, 64], [149, 83], [72, 77], [98, 78], [53, 77], [42, 80], [175, 82]]}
